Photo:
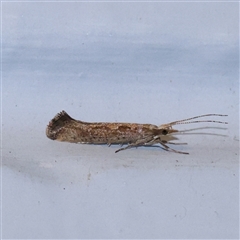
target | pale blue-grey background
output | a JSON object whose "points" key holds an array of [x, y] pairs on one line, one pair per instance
{"points": [[146, 62]]}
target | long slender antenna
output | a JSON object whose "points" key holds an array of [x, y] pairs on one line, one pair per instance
{"points": [[186, 121]]}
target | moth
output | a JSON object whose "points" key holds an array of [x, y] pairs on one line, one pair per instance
{"points": [[66, 129]]}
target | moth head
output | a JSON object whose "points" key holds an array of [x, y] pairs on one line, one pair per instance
{"points": [[166, 129]]}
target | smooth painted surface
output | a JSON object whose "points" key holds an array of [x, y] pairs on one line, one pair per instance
{"points": [[127, 62]]}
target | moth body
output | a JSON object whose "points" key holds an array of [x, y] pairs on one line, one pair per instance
{"points": [[64, 128]]}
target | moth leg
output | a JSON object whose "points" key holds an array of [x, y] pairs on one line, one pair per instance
{"points": [[127, 147], [138, 143], [167, 148], [152, 141], [174, 143]]}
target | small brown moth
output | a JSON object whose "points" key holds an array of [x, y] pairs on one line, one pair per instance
{"points": [[64, 128]]}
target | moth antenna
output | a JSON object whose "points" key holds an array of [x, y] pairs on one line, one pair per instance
{"points": [[203, 121], [186, 121]]}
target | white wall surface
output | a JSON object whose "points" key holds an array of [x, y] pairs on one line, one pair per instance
{"points": [[146, 62]]}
